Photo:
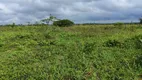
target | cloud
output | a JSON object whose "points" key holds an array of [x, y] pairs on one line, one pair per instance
{"points": [[22, 11]]}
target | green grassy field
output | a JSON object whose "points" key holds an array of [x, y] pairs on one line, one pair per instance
{"points": [[81, 52]]}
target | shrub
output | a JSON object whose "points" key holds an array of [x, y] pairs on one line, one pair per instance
{"points": [[138, 60], [1, 43], [88, 47], [138, 41], [118, 24], [63, 23], [113, 43], [135, 42]]}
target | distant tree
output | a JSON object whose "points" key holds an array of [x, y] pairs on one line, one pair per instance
{"points": [[140, 20], [13, 25], [28, 23], [51, 18]]}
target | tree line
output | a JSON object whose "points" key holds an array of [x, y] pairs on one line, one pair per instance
{"points": [[52, 20]]}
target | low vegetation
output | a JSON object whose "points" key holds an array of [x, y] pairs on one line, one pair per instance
{"points": [[80, 52]]}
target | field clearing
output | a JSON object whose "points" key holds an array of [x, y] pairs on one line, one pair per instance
{"points": [[80, 52]]}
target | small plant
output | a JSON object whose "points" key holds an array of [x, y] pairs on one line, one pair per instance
{"points": [[63, 23], [88, 47]]}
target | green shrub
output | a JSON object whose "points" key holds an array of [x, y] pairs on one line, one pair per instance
{"points": [[47, 35], [23, 36], [88, 47], [135, 42], [63, 23], [118, 24], [1, 43], [138, 43], [113, 43], [138, 60]]}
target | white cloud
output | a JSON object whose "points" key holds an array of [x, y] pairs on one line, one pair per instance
{"points": [[4, 9], [22, 11]]}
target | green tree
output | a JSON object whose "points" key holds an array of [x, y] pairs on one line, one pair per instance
{"points": [[140, 20], [51, 18], [13, 25]]}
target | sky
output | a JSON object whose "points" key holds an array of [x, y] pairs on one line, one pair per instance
{"points": [[79, 11]]}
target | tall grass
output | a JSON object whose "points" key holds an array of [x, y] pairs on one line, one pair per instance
{"points": [[80, 52]]}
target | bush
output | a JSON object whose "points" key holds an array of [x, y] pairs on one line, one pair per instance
{"points": [[88, 47], [135, 42], [138, 42], [118, 24], [1, 43], [113, 43], [63, 23]]}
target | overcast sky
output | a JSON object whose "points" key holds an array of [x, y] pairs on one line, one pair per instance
{"points": [[80, 11]]}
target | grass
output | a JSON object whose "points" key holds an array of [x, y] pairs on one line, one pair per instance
{"points": [[81, 52]]}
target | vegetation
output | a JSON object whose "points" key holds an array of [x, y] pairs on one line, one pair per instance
{"points": [[118, 24], [13, 25], [51, 18], [140, 20], [63, 23], [80, 52]]}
